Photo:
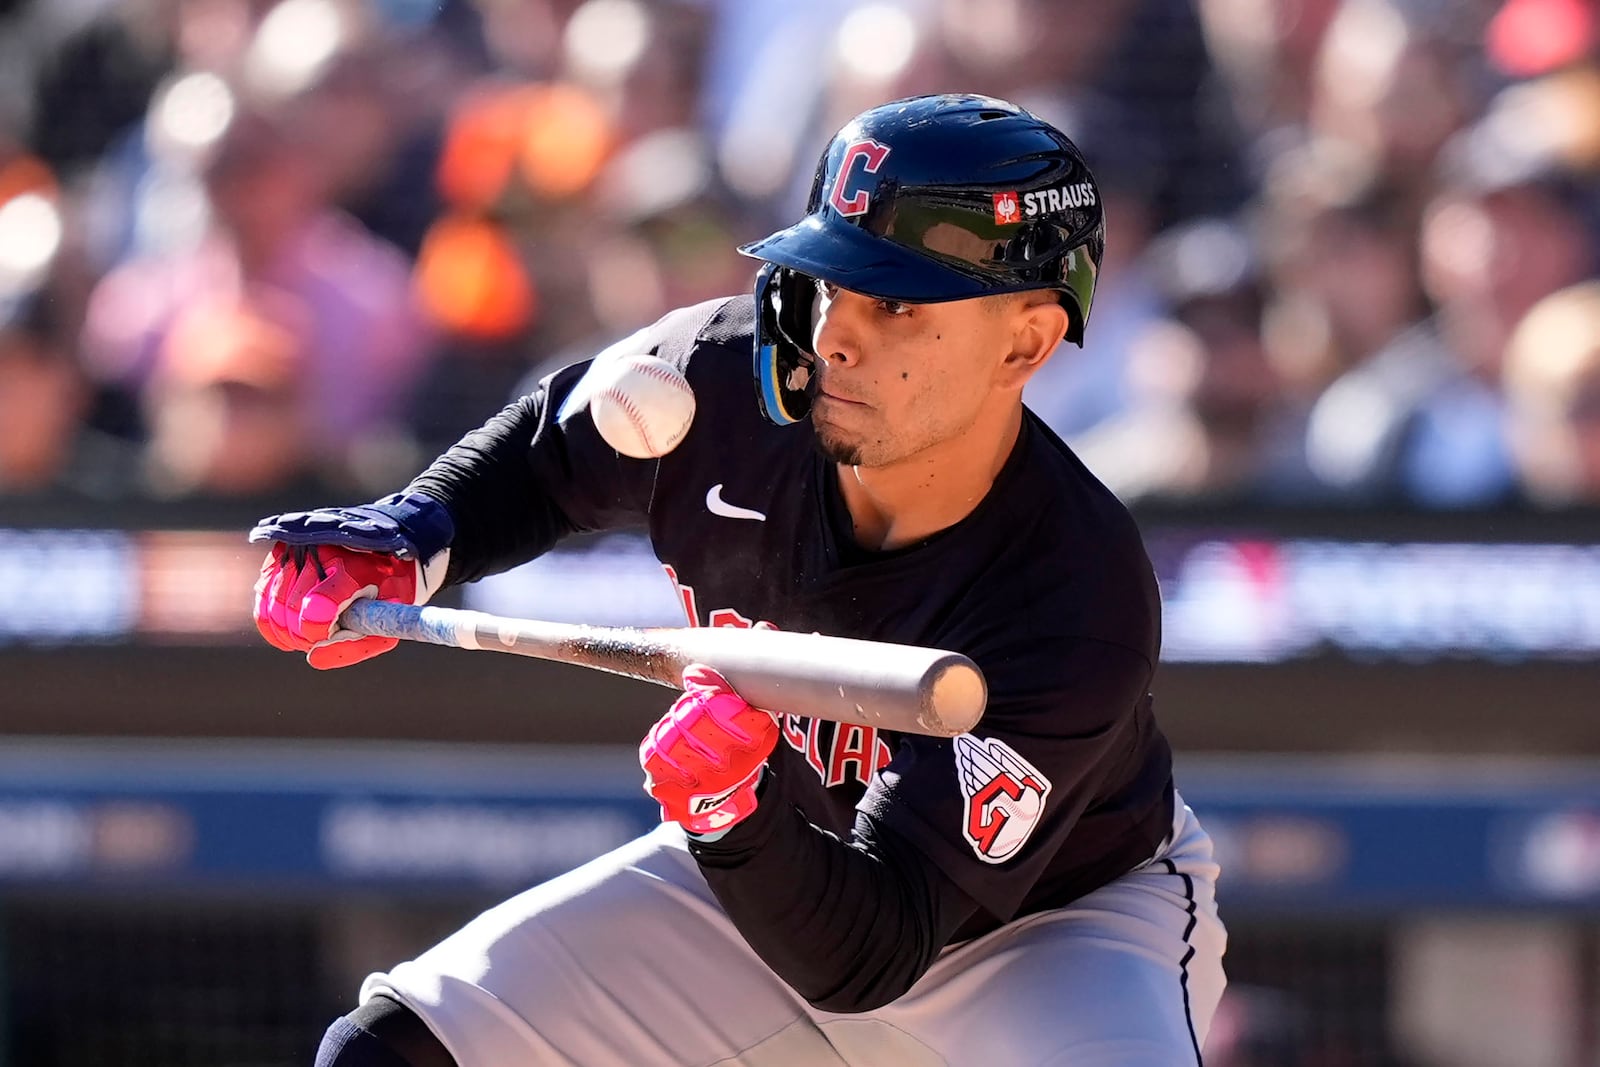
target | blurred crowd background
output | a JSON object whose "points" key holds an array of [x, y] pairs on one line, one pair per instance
{"points": [[250, 246], [1344, 358]]}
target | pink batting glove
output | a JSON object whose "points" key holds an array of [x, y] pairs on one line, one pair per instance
{"points": [[302, 592], [703, 758]]}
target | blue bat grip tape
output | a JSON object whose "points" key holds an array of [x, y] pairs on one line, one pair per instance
{"points": [[385, 618]]}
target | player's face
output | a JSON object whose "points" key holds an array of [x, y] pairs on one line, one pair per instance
{"points": [[896, 379]]}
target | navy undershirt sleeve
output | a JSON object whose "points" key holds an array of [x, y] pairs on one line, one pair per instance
{"points": [[849, 925], [526, 479]]}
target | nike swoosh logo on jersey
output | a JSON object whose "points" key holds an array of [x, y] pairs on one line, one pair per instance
{"points": [[717, 506]]}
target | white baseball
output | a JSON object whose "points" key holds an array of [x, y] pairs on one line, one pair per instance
{"points": [[642, 405]]}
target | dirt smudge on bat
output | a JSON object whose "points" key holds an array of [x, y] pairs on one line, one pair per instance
{"points": [[633, 656]]}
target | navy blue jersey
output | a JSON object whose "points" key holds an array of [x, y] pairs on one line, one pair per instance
{"points": [[904, 843]]}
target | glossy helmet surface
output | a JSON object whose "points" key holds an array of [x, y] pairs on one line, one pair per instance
{"points": [[924, 200]]}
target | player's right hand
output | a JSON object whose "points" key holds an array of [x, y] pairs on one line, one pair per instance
{"points": [[322, 561], [703, 759], [303, 589]]}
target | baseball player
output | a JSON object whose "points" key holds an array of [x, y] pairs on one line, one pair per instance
{"points": [[1031, 893]]}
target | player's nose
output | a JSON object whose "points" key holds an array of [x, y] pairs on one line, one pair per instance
{"points": [[841, 318]]}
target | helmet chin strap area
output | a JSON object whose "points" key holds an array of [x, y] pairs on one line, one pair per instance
{"points": [[784, 362]]}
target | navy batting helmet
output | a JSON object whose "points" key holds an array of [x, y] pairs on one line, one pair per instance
{"points": [[924, 200]]}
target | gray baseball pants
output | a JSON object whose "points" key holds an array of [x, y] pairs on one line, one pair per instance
{"points": [[629, 962]]}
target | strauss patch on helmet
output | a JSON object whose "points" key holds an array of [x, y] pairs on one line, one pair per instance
{"points": [[1062, 197]]}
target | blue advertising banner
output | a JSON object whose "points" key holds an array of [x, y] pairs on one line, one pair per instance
{"points": [[1292, 835]]}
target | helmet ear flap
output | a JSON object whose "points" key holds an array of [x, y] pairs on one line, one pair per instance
{"points": [[783, 357]]}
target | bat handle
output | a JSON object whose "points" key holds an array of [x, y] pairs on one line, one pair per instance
{"points": [[408, 622]]}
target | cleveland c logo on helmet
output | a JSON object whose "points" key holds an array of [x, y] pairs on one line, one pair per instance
{"points": [[872, 154]]}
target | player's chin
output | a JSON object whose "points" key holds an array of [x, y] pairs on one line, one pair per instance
{"points": [[836, 446]]}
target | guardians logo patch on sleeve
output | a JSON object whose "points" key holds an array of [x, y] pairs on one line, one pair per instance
{"points": [[1005, 796]]}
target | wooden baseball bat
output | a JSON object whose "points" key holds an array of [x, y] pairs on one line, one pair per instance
{"points": [[873, 683]]}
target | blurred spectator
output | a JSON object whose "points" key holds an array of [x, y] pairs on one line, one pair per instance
{"points": [[140, 196], [502, 271], [548, 185], [273, 231], [770, 58], [523, 37], [641, 59], [42, 397], [371, 110], [1530, 37], [1553, 121], [1161, 71], [665, 236], [670, 239], [1421, 420], [227, 406], [880, 51], [1265, 52], [1204, 422], [1149, 57], [1552, 383], [96, 82], [372, 105], [1079, 388], [1343, 260], [1395, 88]]}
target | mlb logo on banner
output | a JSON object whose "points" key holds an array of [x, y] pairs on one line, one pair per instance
{"points": [[1006, 210]]}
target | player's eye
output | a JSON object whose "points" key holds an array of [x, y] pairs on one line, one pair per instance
{"points": [[893, 308]]}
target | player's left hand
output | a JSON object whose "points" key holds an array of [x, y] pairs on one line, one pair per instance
{"points": [[702, 760]]}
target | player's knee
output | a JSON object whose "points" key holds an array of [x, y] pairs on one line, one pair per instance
{"points": [[381, 1033], [348, 1045]]}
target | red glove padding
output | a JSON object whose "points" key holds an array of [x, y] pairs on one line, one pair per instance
{"points": [[303, 590], [703, 758]]}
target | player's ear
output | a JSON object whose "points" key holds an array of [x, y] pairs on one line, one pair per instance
{"points": [[1038, 323]]}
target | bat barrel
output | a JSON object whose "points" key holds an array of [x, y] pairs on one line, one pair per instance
{"points": [[956, 696], [904, 688]]}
